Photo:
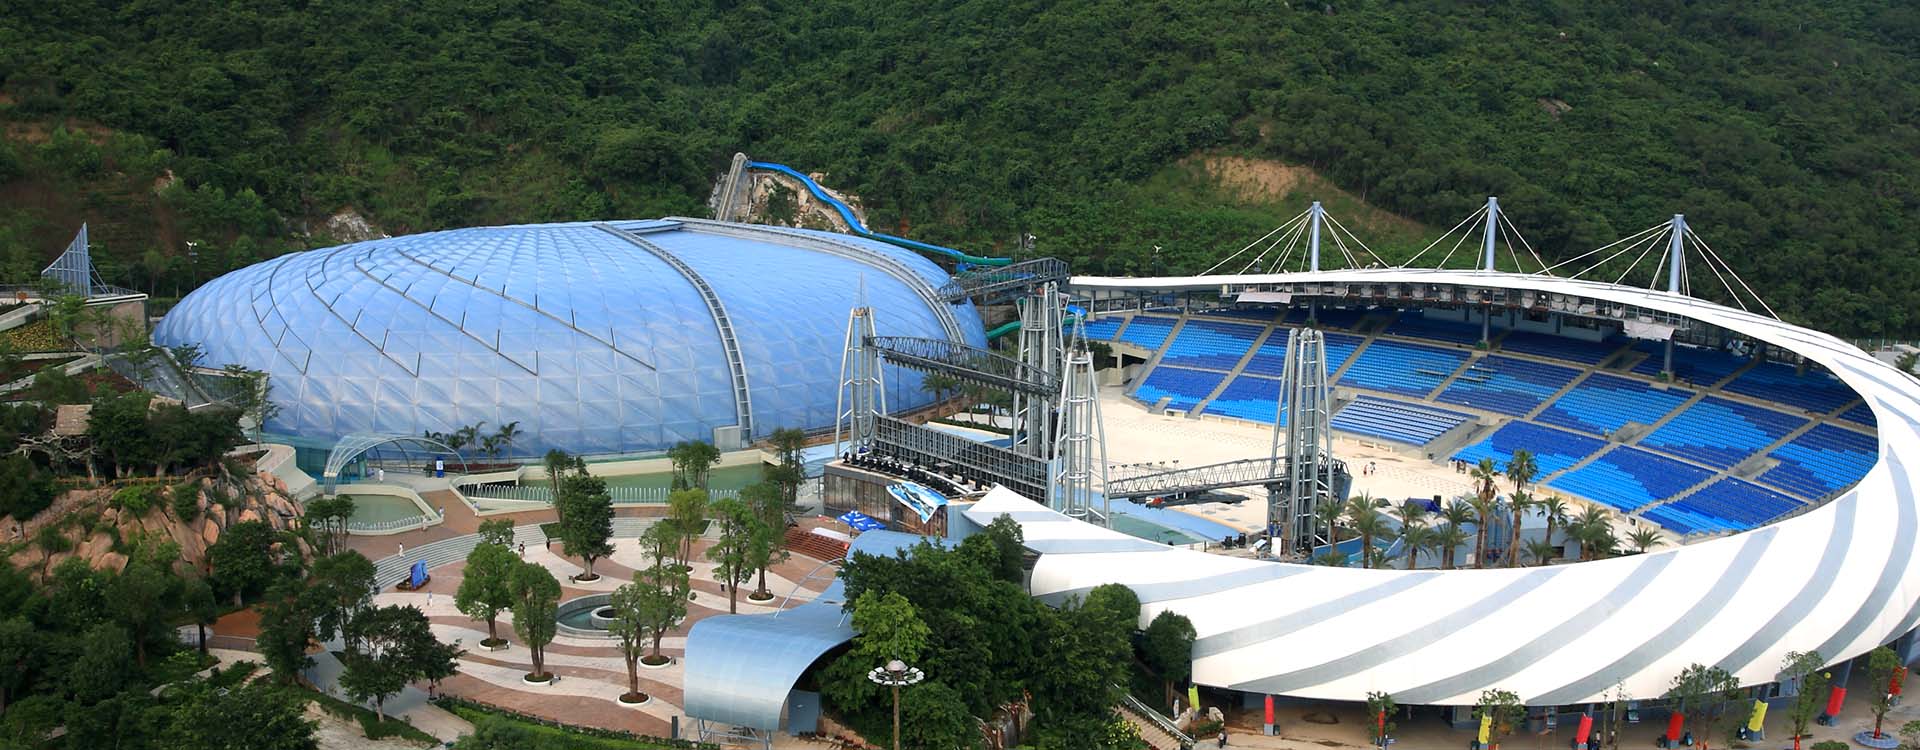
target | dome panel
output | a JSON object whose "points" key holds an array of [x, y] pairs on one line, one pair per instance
{"points": [[591, 343]]}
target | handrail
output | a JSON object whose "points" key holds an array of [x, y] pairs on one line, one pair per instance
{"points": [[1154, 717]]}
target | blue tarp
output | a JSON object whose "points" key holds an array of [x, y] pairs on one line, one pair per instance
{"points": [[419, 574], [861, 521]]}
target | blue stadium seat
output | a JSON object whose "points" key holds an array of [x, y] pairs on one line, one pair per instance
{"points": [[1248, 397], [1259, 314], [1185, 387], [1824, 460], [1331, 317], [1691, 363], [1102, 329], [1604, 403], [1629, 479], [1559, 347], [1415, 326], [1720, 433], [1507, 385], [1552, 449], [1815, 391], [1407, 369], [1272, 358], [1210, 344], [1860, 413], [1147, 332], [1414, 424], [1727, 505]]}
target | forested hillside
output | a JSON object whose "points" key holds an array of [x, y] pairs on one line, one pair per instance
{"points": [[1786, 131]]}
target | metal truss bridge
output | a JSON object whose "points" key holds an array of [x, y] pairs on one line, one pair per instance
{"points": [[1246, 472], [990, 283], [968, 363]]}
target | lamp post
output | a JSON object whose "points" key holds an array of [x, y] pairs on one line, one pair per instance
{"points": [[896, 674]]}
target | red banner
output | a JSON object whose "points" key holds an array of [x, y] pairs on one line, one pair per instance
{"points": [[1269, 709], [1586, 726], [1899, 676], [1674, 722], [1834, 699]]}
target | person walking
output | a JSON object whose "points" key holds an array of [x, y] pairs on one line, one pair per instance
{"points": [[403, 549]]}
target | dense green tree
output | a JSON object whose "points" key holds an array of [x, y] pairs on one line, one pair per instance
{"points": [[789, 472], [286, 628], [586, 519], [104, 665], [498, 531], [25, 489], [535, 596], [739, 550], [1505, 710], [1712, 700], [144, 597], [934, 716], [1881, 664], [486, 587], [1167, 648], [999, 548], [1806, 670], [328, 517], [397, 647], [202, 608], [20, 658], [687, 513], [768, 543], [342, 585], [692, 460], [629, 625], [255, 716], [243, 559]]}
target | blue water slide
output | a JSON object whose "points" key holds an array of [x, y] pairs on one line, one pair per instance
{"points": [[860, 229]]}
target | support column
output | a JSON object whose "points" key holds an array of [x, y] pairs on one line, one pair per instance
{"points": [[863, 394], [1314, 214], [1493, 228]]}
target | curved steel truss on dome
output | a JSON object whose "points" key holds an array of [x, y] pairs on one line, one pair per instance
{"points": [[356, 445], [1834, 579]]}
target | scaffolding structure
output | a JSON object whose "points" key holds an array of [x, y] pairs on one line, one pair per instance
{"points": [[863, 394], [1043, 352], [1078, 477], [1307, 407]]}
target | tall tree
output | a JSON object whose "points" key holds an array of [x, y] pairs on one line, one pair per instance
{"points": [[1709, 696], [1485, 475], [1502, 711], [733, 554], [20, 656], [1555, 508], [286, 628], [343, 585], [535, 596], [1366, 520], [769, 545], [397, 647], [790, 471], [687, 511], [692, 460], [244, 562], [497, 531], [1881, 663], [586, 519], [202, 607], [1517, 505], [1328, 512], [629, 625], [486, 588], [1167, 647], [144, 597], [1806, 670], [664, 601]]}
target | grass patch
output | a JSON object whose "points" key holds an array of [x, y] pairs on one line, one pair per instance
{"points": [[543, 734], [370, 723]]}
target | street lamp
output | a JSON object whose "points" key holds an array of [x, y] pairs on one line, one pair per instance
{"points": [[896, 674]]}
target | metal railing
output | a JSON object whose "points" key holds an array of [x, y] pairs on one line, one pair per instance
{"points": [[968, 363], [620, 495], [1142, 710]]}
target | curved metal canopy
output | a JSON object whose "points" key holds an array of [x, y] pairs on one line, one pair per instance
{"points": [[357, 444]]}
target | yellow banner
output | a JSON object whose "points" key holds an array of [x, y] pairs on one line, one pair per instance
{"points": [[1759, 716], [1193, 698], [1486, 729]]}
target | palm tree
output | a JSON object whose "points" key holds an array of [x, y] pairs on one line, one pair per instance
{"points": [[1365, 518], [1521, 469], [507, 434], [1593, 529], [490, 445], [1416, 537], [1485, 473], [1644, 539], [1555, 509], [1328, 514], [1518, 503], [1541, 551], [1448, 537]]}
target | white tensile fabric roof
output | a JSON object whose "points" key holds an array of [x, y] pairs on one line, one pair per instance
{"points": [[1840, 579]]}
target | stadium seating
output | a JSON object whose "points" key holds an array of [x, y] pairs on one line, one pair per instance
{"points": [[1407, 369], [1690, 363], [1102, 329], [1552, 449], [1821, 461], [1416, 326], [1559, 347], [1507, 385], [1720, 433], [1727, 505], [1771, 381], [1604, 403], [1248, 397], [1629, 479], [1210, 344], [1185, 387], [1147, 332], [1413, 424], [1333, 317], [1272, 357], [1260, 314], [1860, 413]]}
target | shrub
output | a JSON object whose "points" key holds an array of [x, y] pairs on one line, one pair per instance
{"points": [[186, 501], [136, 499]]}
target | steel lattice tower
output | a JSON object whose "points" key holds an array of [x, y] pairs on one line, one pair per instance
{"points": [[1307, 408], [863, 393], [1080, 451], [1040, 348]]}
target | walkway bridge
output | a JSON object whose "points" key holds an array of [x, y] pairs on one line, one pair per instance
{"points": [[968, 363], [989, 284], [1246, 472]]}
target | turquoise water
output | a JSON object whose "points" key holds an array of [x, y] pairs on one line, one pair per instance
{"points": [[382, 508], [1150, 531]]}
